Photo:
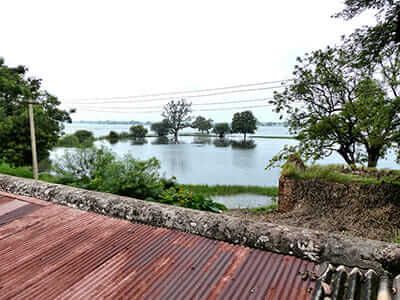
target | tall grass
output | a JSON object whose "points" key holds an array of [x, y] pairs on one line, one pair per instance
{"points": [[226, 190]]}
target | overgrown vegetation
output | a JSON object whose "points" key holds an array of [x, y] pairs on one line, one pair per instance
{"points": [[101, 170], [81, 138], [227, 190], [265, 209], [342, 174]]}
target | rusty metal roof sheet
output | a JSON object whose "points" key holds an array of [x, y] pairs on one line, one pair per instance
{"points": [[49, 251]]}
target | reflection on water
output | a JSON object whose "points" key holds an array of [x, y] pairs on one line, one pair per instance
{"points": [[203, 160], [244, 200], [162, 140], [201, 140], [138, 141]]}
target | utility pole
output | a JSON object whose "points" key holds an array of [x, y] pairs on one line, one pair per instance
{"points": [[33, 141]]}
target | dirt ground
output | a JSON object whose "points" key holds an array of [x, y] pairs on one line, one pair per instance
{"points": [[379, 224]]}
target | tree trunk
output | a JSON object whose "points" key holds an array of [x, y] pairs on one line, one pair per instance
{"points": [[349, 159], [176, 136], [373, 157], [245, 138]]}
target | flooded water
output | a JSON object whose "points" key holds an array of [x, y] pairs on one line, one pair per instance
{"points": [[244, 200], [201, 161]]}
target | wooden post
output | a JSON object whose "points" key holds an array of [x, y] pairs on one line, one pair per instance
{"points": [[33, 142]]}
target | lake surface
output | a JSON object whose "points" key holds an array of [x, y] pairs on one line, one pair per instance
{"points": [[244, 200], [198, 161]]}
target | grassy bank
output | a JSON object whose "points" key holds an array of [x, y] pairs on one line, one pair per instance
{"points": [[24, 172], [342, 174], [226, 190]]}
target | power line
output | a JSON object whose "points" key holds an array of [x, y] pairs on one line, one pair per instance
{"points": [[196, 104], [179, 92], [158, 111], [184, 97]]}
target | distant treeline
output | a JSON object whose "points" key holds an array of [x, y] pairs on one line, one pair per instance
{"points": [[109, 122]]}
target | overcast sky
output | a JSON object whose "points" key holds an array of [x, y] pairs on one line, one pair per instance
{"points": [[95, 49]]}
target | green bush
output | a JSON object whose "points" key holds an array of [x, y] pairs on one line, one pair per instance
{"points": [[138, 131], [69, 140], [99, 169], [113, 135], [265, 209], [185, 198], [84, 136]]}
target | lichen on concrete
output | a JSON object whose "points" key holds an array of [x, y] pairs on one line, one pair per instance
{"points": [[312, 245]]}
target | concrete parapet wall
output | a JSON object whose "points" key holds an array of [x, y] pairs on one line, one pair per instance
{"points": [[316, 246], [295, 192]]}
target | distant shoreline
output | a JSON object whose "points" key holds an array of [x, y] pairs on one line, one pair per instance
{"points": [[109, 122]]}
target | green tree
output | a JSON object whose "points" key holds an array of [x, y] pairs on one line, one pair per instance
{"points": [[113, 135], [334, 107], [85, 137], [138, 131], [244, 123], [178, 115], [221, 129], [202, 124], [370, 40], [161, 128], [15, 88]]}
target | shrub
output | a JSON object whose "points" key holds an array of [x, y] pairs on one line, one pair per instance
{"points": [[138, 131], [221, 129], [185, 198], [84, 136], [161, 128], [113, 135], [69, 140], [99, 169]]}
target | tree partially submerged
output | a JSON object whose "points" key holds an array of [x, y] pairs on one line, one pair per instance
{"points": [[221, 129], [334, 106], [177, 113], [138, 131], [202, 124], [161, 128], [244, 123]]}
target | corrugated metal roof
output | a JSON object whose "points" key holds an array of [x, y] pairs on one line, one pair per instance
{"points": [[353, 284], [50, 251]]}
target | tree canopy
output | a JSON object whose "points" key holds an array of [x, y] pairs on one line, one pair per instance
{"points": [[244, 122], [178, 115], [15, 88], [370, 40], [138, 131], [161, 128], [333, 106], [202, 124], [221, 129]]}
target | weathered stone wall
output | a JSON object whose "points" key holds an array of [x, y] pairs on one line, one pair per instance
{"points": [[321, 194], [313, 245]]}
